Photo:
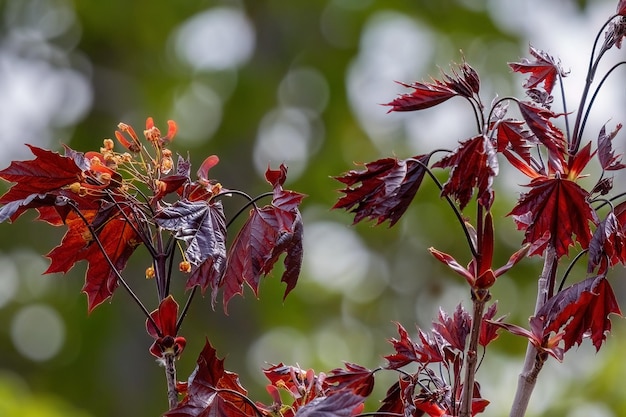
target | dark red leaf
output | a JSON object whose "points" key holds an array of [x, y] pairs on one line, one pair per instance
{"points": [[49, 171], [164, 317], [552, 212], [473, 165], [582, 310], [453, 264], [202, 226], [606, 154], [406, 350], [342, 404], [608, 245], [543, 69], [512, 133], [488, 330], [454, 329], [425, 95], [207, 164], [269, 232], [355, 378], [384, 190], [538, 120], [212, 391], [621, 8], [538, 336], [118, 239]]}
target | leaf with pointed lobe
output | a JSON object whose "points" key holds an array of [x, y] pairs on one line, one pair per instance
{"points": [[473, 165], [268, 233], [48, 172], [621, 8], [119, 240], [384, 190], [606, 154], [608, 245], [552, 213], [212, 391], [488, 330], [165, 318], [538, 121], [341, 404], [538, 336], [582, 310], [512, 133], [425, 95], [355, 378], [454, 329], [202, 226], [543, 69]]}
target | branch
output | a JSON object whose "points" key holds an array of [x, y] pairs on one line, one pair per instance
{"points": [[534, 362]]}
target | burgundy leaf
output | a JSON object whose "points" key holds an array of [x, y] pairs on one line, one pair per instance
{"points": [[582, 310], [342, 404], [202, 226], [608, 245], [511, 133], [212, 391], [542, 69], [425, 95], [538, 120], [355, 378], [384, 190], [488, 330], [473, 165], [552, 213], [454, 329], [406, 350], [606, 154], [269, 232]]}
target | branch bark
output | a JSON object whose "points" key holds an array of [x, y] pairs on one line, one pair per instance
{"points": [[534, 362]]}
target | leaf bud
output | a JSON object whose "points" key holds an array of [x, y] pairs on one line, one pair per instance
{"points": [[150, 272], [108, 144]]}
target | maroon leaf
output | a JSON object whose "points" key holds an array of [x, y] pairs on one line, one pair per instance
{"points": [[212, 391], [425, 95], [454, 329], [582, 310], [552, 212], [488, 330], [538, 120], [511, 133], [49, 171], [342, 404], [384, 190], [407, 351], [202, 226], [608, 245], [119, 240], [162, 328], [538, 336], [269, 232], [606, 154], [355, 378], [473, 165], [543, 69]]}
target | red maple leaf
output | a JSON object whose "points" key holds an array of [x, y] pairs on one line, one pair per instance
{"points": [[488, 330], [355, 378], [38, 182], [473, 165], [162, 327], [606, 154], [581, 310], [454, 329], [202, 226], [608, 244], [543, 68], [384, 190], [341, 404], [269, 232], [538, 121], [118, 238], [212, 391], [428, 350], [552, 213], [512, 133], [425, 95], [538, 336]]}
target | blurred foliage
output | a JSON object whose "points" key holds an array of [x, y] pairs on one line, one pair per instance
{"points": [[128, 53]]}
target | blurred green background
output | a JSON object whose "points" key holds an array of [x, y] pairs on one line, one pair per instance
{"points": [[265, 82]]}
